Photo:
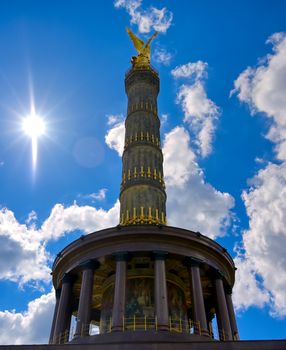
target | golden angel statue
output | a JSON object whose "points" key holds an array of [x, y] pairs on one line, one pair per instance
{"points": [[143, 58]]}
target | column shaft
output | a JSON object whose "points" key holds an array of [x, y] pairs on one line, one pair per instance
{"points": [[199, 312], [84, 308], [232, 318], [118, 311], [209, 316], [64, 311], [222, 311], [58, 294], [161, 297]]}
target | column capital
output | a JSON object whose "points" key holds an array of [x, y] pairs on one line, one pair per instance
{"points": [[68, 278], [160, 254], [190, 261], [217, 274], [228, 290], [91, 264], [120, 256]]}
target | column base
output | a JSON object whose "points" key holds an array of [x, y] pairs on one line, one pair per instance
{"points": [[142, 339], [205, 333], [236, 336], [163, 327], [77, 335]]}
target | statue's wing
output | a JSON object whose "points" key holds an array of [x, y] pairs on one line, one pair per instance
{"points": [[138, 43], [152, 37]]}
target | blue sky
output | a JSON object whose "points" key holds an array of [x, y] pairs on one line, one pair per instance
{"points": [[222, 103]]}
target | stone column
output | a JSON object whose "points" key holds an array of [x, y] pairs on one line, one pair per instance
{"points": [[58, 294], [221, 309], [118, 311], [210, 314], [231, 313], [161, 297], [84, 307], [64, 311], [199, 312]]}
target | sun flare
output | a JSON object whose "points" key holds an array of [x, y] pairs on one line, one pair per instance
{"points": [[34, 126]]}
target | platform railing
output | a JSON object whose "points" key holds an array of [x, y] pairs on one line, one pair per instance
{"points": [[140, 323], [62, 338], [144, 323], [142, 68]]}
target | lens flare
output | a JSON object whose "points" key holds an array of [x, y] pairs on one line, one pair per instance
{"points": [[34, 127]]}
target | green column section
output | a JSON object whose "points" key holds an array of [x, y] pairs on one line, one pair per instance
{"points": [[142, 194]]}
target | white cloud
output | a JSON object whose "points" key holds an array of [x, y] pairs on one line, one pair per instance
{"points": [[29, 327], [247, 289], [113, 119], [192, 202], [84, 218], [193, 70], [97, 196], [265, 241], [130, 5], [23, 254], [179, 159], [32, 217], [146, 20], [115, 137], [263, 88], [162, 56], [200, 112], [116, 133], [22, 257], [164, 118]]}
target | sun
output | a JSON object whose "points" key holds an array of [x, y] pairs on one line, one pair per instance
{"points": [[34, 126]]}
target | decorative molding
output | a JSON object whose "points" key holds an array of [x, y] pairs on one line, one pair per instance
{"points": [[150, 219], [141, 137], [143, 173]]}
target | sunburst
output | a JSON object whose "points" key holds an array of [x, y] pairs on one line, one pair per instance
{"points": [[34, 126]]}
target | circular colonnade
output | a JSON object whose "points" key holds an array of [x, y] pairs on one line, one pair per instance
{"points": [[143, 277]]}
